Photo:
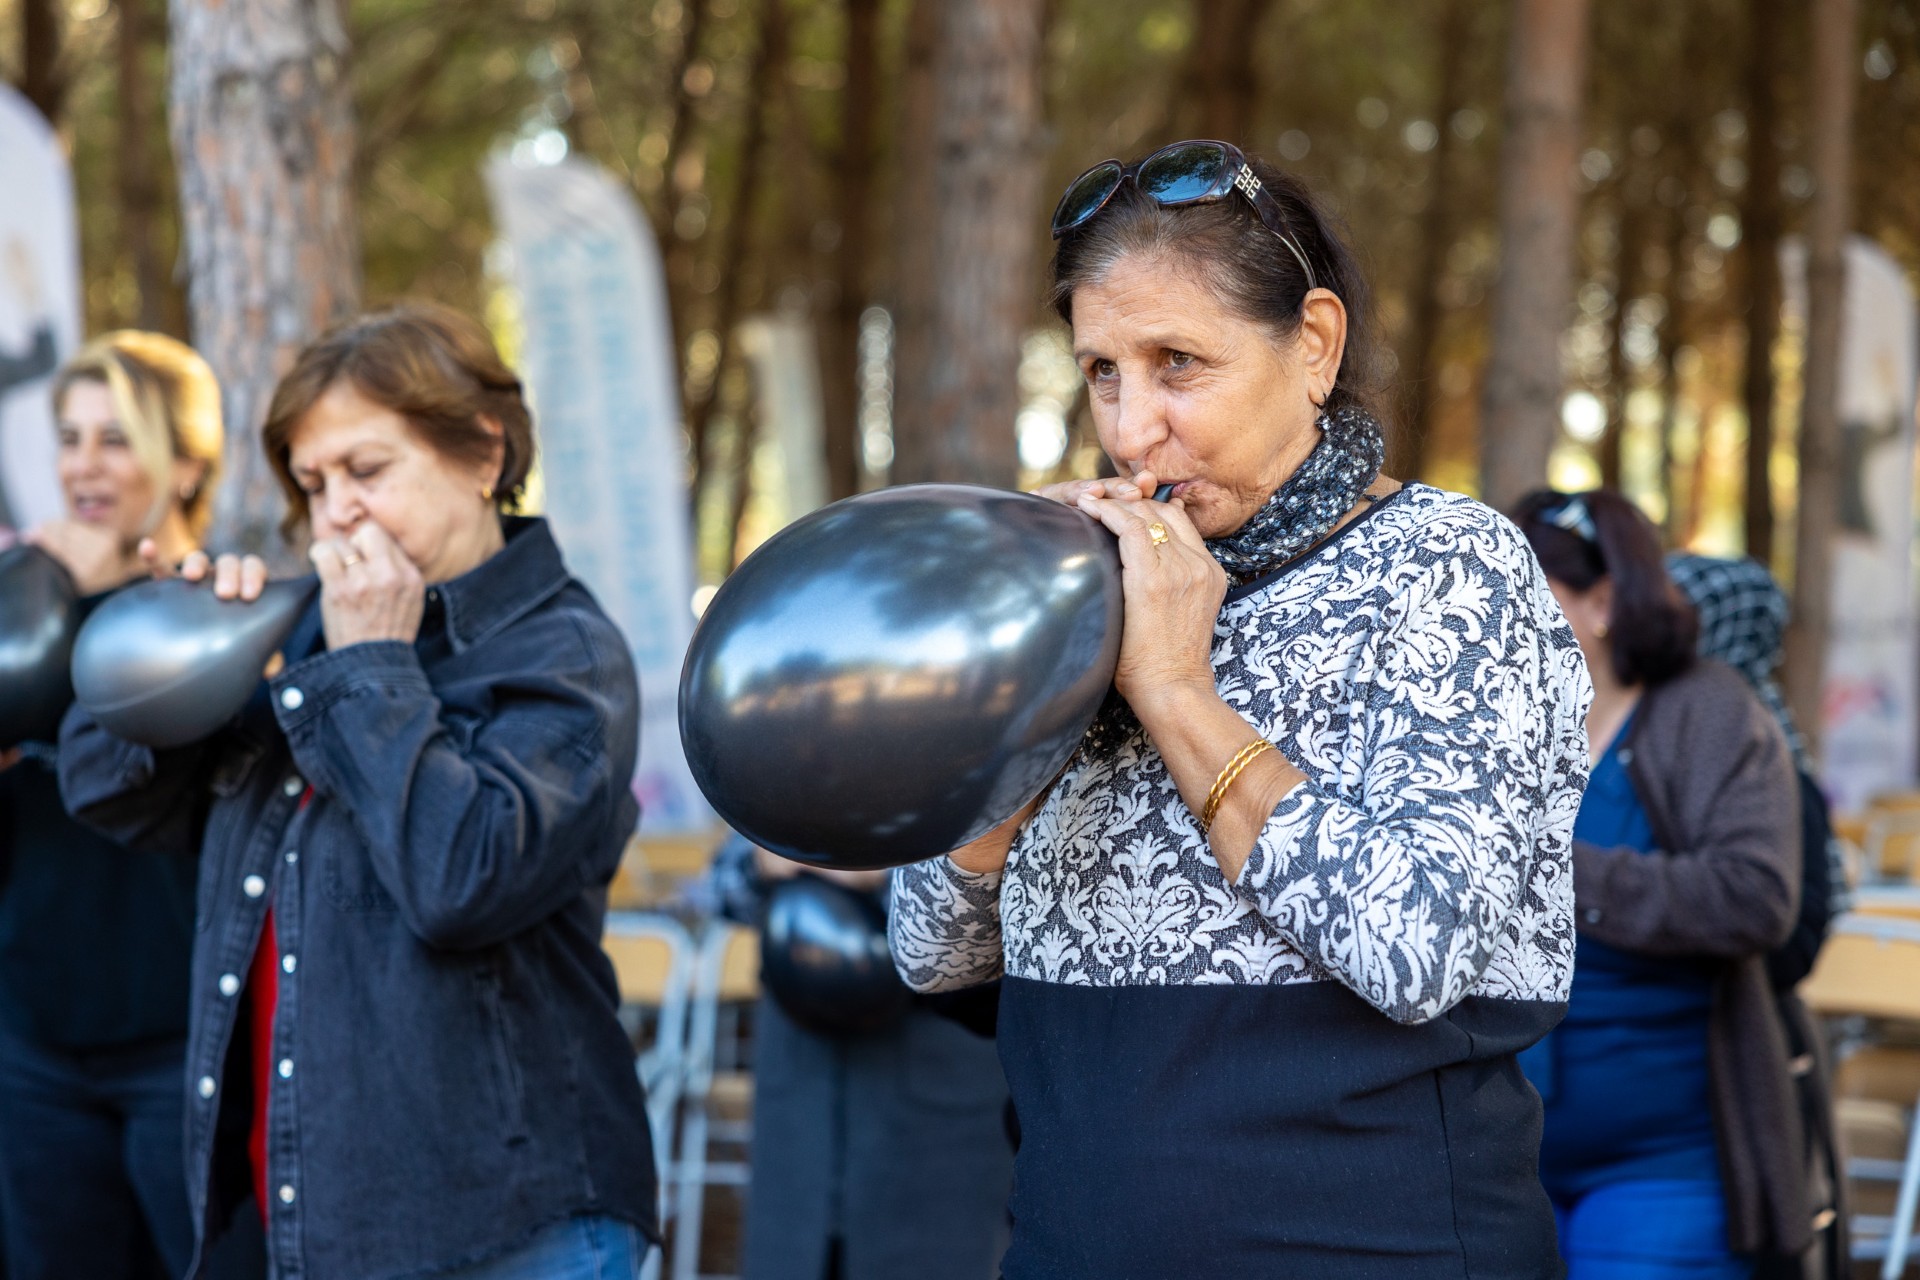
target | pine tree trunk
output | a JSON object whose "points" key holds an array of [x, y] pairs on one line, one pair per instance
{"points": [[768, 63], [1419, 364], [263, 131], [969, 276], [43, 78], [1221, 79], [138, 177], [1760, 221], [1631, 250], [1538, 208], [840, 334], [1835, 64]]}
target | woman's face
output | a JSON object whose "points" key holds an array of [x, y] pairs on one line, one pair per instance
{"points": [[359, 461], [1184, 388], [101, 477], [1589, 613]]}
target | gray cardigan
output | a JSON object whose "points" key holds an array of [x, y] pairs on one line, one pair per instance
{"points": [[1718, 784]]}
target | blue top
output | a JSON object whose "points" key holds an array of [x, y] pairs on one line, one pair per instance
{"points": [[1624, 1077]]}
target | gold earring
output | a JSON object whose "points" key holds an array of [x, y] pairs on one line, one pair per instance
{"points": [[1603, 630], [486, 493]]}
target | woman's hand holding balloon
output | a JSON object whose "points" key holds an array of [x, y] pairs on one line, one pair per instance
{"points": [[93, 556], [1173, 590], [369, 590], [234, 577]]}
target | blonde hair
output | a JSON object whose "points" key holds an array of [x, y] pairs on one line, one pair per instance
{"points": [[167, 402]]}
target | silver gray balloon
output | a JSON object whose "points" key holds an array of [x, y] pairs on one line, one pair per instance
{"points": [[39, 613], [898, 673], [167, 663]]}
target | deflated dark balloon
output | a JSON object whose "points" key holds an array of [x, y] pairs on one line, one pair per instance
{"points": [[824, 958], [167, 663], [897, 674], [39, 613]]}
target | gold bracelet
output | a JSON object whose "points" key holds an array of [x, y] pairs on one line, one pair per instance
{"points": [[1225, 781]]}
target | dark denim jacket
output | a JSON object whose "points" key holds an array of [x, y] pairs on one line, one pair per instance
{"points": [[450, 1073]]}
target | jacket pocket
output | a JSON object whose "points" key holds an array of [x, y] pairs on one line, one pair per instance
{"points": [[350, 883], [502, 1055]]}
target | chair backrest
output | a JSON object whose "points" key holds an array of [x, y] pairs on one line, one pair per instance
{"points": [[1891, 841], [657, 965], [1870, 967]]}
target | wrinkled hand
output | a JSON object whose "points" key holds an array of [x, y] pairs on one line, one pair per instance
{"points": [[95, 558], [1173, 592], [234, 577], [369, 590]]}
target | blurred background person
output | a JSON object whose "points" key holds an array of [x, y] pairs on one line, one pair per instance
{"points": [[94, 944], [1673, 1146], [875, 1155], [1743, 621], [404, 843]]}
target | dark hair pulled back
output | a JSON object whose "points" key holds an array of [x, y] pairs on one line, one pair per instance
{"points": [[1654, 629], [1234, 254]]}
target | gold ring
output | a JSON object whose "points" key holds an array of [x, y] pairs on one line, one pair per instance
{"points": [[1158, 532], [349, 563]]}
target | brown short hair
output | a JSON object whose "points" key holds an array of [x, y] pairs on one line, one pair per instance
{"points": [[167, 401], [430, 364]]}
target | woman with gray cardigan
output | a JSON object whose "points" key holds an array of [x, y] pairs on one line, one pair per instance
{"points": [[1671, 1143]]}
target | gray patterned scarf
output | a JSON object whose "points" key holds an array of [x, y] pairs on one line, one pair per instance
{"points": [[1313, 500], [1298, 517]]}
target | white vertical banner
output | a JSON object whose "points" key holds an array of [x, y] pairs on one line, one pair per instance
{"points": [[1868, 699], [789, 462], [39, 305], [599, 363]]}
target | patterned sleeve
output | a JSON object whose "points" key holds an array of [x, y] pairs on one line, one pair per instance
{"points": [[945, 926], [1404, 878]]}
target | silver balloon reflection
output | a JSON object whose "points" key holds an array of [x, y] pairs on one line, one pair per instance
{"points": [[898, 673], [167, 663], [39, 613]]}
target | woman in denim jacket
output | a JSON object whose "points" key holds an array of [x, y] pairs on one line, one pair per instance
{"points": [[402, 1036]]}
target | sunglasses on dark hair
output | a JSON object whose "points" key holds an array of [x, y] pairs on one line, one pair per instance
{"points": [[1196, 172], [1571, 514]]}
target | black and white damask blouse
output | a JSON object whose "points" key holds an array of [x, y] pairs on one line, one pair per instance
{"points": [[1309, 1068]]}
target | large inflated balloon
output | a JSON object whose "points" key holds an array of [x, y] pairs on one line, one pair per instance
{"points": [[824, 955], [898, 673], [167, 663], [39, 613]]}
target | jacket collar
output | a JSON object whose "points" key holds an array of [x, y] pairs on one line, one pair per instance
{"points": [[520, 576]]}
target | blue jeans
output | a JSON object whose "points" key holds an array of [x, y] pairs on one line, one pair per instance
{"points": [[589, 1247], [90, 1161], [1648, 1230]]}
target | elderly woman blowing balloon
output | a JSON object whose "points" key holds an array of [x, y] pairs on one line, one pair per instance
{"points": [[1272, 940], [403, 1032]]}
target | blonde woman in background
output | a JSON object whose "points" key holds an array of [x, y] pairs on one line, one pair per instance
{"points": [[94, 942]]}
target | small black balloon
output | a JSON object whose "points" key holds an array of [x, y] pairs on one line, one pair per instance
{"points": [[898, 673], [824, 958], [39, 613], [167, 663]]}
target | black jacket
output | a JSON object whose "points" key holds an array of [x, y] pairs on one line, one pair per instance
{"points": [[452, 1075]]}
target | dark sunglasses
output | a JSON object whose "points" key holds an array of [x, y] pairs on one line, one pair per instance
{"points": [[1195, 172], [1570, 513]]}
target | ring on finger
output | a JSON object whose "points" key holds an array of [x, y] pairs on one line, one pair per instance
{"points": [[1158, 532], [350, 557]]}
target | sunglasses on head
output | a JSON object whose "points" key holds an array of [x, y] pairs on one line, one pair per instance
{"points": [[1571, 514], [1196, 172]]}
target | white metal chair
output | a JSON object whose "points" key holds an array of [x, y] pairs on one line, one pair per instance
{"points": [[1869, 970], [727, 973], [657, 963]]}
